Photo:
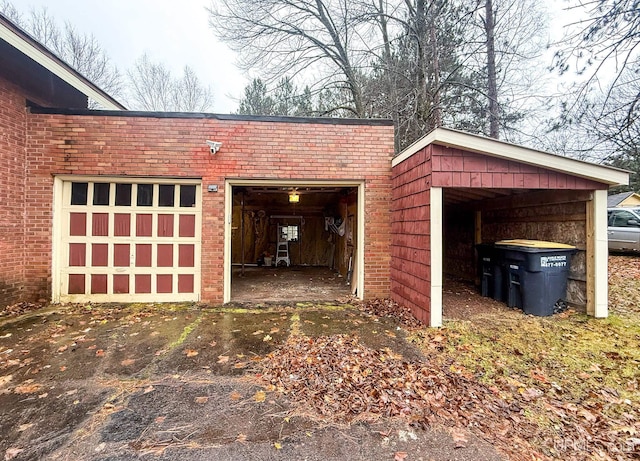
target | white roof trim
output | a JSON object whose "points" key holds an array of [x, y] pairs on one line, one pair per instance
{"points": [[500, 149], [58, 67]]}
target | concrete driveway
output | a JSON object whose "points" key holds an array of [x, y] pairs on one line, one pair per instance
{"points": [[178, 383]]}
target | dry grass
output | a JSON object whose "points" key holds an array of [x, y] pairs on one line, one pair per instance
{"points": [[576, 377]]}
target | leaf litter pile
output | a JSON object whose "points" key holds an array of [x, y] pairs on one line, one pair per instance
{"points": [[389, 308], [344, 381], [539, 388]]}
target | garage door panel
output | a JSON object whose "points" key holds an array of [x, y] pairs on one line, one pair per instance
{"points": [[144, 225], [78, 224], [122, 225], [142, 244]]}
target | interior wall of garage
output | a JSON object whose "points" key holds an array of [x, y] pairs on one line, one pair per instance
{"points": [[165, 145], [318, 245]]}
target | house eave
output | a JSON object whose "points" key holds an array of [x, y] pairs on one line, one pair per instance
{"points": [[31, 48]]}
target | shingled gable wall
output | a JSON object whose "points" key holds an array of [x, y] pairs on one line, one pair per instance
{"points": [[110, 144], [439, 166]]}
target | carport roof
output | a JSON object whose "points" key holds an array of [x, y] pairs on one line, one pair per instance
{"points": [[500, 149]]}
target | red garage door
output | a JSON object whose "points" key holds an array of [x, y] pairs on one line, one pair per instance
{"points": [[128, 240]]}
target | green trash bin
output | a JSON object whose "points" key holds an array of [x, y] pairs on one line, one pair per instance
{"points": [[536, 273]]}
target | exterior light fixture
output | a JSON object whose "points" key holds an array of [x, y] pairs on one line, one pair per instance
{"points": [[214, 146], [294, 197]]}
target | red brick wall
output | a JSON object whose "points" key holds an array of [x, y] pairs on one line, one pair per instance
{"points": [[410, 229], [457, 168], [175, 147], [12, 181]]}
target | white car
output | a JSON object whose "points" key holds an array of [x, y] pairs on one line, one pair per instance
{"points": [[624, 229]]}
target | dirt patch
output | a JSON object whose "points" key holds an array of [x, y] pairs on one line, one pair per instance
{"points": [[288, 284]]}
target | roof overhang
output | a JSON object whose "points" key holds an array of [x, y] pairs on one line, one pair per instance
{"points": [[500, 149], [31, 48]]}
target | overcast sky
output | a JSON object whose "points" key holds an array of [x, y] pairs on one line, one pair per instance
{"points": [[174, 32]]}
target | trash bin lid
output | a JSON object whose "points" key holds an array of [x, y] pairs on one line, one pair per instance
{"points": [[535, 244]]}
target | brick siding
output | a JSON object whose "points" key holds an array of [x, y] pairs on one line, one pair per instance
{"points": [[13, 125], [175, 147]]}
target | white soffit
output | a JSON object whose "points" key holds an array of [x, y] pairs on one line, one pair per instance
{"points": [[40, 54], [500, 149]]}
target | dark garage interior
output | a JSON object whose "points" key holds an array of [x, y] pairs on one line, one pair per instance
{"points": [[293, 243]]}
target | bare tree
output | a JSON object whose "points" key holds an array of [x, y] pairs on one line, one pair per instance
{"points": [[152, 87], [603, 47], [504, 47], [81, 51], [286, 37]]}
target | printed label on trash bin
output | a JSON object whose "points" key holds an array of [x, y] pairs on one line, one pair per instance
{"points": [[553, 261], [513, 266]]}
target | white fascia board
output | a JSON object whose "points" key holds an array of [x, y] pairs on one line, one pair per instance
{"points": [[58, 68], [508, 151]]}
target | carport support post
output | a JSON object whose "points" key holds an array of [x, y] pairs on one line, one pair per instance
{"points": [[597, 255], [436, 242]]}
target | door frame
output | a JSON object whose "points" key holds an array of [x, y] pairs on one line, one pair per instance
{"points": [[228, 209]]}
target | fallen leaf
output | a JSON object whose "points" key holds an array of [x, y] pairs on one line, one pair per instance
{"points": [[148, 389], [27, 388], [63, 348], [92, 347], [160, 419], [531, 393], [223, 358], [63, 368], [241, 438], [201, 400], [240, 365], [277, 445], [8, 335], [5, 379], [400, 456], [459, 438], [274, 330], [127, 362], [586, 414], [257, 332], [12, 453], [213, 344], [24, 427], [235, 396], [267, 338], [190, 352], [260, 396], [100, 353]]}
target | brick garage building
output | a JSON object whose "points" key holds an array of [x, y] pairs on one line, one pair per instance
{"points": [[113, 205], [120, 206]]}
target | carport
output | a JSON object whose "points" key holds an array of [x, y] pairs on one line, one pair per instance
{"points": [[453, 190]]}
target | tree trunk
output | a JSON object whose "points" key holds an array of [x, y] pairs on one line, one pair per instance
{"points": [[492, 86]]}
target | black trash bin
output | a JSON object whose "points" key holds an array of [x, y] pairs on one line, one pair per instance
{"points": [[535, 273], [491, 271]]}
